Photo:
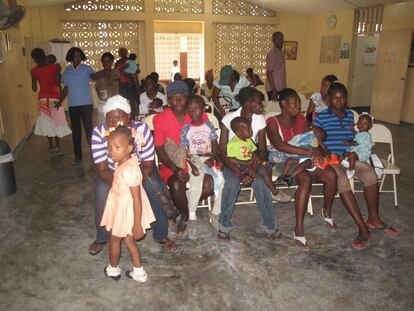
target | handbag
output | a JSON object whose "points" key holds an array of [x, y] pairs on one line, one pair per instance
{"points": [[176, 153], [166, 202], [376, 162]]}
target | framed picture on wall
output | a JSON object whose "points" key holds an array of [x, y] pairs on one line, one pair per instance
{"points": [[291, 50]]}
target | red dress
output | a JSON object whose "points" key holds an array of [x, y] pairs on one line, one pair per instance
{"points": [[47, 77]]}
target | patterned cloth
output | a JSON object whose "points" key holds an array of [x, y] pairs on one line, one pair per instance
{"points": [[226, 91], [198, 138]]}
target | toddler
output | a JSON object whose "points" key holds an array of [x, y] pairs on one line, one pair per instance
{"points": [[155, 106], [128, 211], [132, 65], [200, 139], [361, 146], [241, 152]]}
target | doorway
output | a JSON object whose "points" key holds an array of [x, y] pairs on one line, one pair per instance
{"points": [[364, 59], [180, 41]]}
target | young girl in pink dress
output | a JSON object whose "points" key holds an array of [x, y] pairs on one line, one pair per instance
{"points": [[128, 211]]}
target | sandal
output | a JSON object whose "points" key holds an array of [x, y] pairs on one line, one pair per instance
{"points": [[223, 236], [329, 222], [181, 227], [276, 236], [359, 243], [96, 247], [386, 229], [168, 245], [301, 242]]}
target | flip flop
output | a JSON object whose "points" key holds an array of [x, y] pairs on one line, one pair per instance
{"points": [[95, 248], [181, 228], [329, 222], [223, 236], [359, 243], [303, 243], [386, 229]]}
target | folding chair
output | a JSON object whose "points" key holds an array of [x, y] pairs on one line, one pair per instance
{"points": [[382, 135]]}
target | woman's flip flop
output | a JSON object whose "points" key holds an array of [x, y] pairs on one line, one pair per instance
{"points": [[386, 229]]}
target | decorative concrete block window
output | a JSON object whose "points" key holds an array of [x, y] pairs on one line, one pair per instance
{"points": [[240, 7], [95, 38], [106, 5], [179, 6]]}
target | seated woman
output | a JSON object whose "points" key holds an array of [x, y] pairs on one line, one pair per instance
{"points": [[252, 110], [167, 127], [281, 129], [117, 109], [335, 126]]}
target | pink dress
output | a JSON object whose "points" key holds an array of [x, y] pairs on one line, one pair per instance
{"points": [[118, 216]]}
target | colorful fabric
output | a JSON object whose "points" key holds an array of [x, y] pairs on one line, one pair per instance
{"points": [[77, 81], [99, 144], [338, 130], [118, 215], [47, 77], [364, 147], [240, 149], [275, 62], [198, 138]]}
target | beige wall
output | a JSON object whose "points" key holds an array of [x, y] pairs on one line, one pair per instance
{"points": [[315, 29], [401, 16]]}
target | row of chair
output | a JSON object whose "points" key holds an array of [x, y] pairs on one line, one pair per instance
{"points": [[380, 134]]}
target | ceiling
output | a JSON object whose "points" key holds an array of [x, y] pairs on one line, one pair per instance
{"points": [[301, 7]]}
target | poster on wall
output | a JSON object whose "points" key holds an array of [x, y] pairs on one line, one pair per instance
{"points": [[291, 50], [370, 54], [345, 50]]}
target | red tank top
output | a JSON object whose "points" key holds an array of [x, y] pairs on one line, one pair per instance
{"points": [[288, 133], [47, 77]]}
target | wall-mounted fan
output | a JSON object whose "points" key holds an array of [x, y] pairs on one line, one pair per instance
{"points": [[10, 17]]}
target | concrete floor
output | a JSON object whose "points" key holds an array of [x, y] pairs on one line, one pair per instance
{"points": [[46, 228]]}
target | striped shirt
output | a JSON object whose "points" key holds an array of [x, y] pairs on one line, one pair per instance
{"points": [[338, 130], [99, 144]]}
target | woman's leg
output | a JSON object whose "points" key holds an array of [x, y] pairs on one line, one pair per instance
{"points": [[133, 251], [329, 180], [208, 187], [75, 121], [114, 250], [179, 197], [304, 182], [349, 201], [50, 141], [366, 174]]}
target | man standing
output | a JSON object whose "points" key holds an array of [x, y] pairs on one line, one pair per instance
{"points": [[275, 67]]}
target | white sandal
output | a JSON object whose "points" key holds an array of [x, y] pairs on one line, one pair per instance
{"points": [[329, 222], [304, 247]]}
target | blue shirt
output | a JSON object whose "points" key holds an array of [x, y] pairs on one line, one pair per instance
{"points": [[337, 130], [77, 81]]}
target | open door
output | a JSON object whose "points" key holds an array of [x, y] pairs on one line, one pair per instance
{"points": [[389, 82]]}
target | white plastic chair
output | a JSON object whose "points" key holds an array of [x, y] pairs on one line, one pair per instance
{"points": [[356, 115]]}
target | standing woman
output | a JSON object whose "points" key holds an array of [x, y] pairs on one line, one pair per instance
{"points": [[76, 79], [51, 121]]}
